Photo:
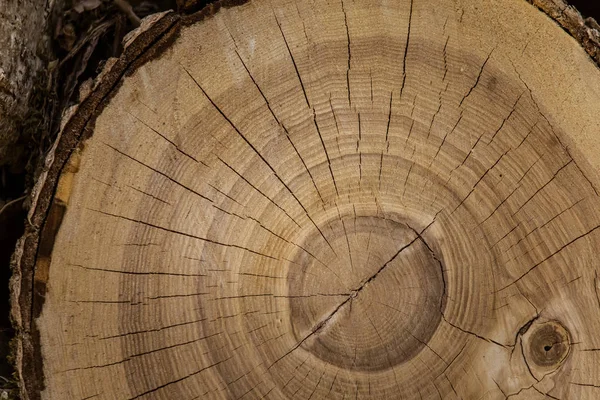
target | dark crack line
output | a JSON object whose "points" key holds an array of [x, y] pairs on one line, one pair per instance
{"points": [[578, 167], [512, 110], [537, 314], [585, 384], [224, 194], [466, 158], [261, 156], [526, 363], [211, 201], [261, 275], [381, 342], [285, 240], [337, 371], [359, 151], [120, 335], [406, 47], [498, 206], [406, 179], [172, 296], [550, 256], [437, 260], [348, 244], [596, 290], [543, 186], [349, 53], [312, 295], [162, 228], [500, 388], [387, 129], [172, 143], [323, 322], [412, 124], [436, 113], [130, 357], [538, 228], [479, 180], [523, 389], [444, 139], [504, 346], [545, 394], [380, 171], [445, 58], [180, 379], [478, 78], [451, 362], [356, 291], [337, 127], [371, 78], [517, 186], [529, 132], [452, 387], [426, 345], [116, 271], [393, 308], [288, 136], [160, 173], [314, 113], [243, 137], [506, 234], [565, 148], [310, 107], [258, 190], [293, 61]]}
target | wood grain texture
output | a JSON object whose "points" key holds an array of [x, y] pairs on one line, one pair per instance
{"points": [[336, 200]]}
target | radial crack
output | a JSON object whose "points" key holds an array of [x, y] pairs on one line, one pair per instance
{"points": [[172, 143], [280, 124], [406, 47], [596, 287], [245, 139], [478, 78], [349, 52], [550, 256], [475, 334], [323, 322]]}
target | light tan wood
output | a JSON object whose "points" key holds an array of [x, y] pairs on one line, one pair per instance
{"points": [[330, 200]]}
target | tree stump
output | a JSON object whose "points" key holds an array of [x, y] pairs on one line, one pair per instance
{"points": [[323, 200]]}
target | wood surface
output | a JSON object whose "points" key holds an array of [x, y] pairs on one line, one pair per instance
{"points": [[324, 200]]}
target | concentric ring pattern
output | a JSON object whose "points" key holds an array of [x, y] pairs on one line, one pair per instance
{"points": [[316, 200]]}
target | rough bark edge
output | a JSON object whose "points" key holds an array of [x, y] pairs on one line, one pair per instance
{"points": [[585, 31], [27, 295], [45, 215], [144, 44]]}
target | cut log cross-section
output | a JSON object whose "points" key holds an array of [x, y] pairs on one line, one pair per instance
{"points": [[323, 200]]}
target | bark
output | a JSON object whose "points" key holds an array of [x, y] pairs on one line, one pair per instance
{"points": [[585, 31], [26, 51]]}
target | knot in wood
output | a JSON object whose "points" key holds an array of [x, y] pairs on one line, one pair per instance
{"points": [[548, 345]]}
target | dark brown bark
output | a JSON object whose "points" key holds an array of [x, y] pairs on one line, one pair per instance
{"points": [[26, 51]]}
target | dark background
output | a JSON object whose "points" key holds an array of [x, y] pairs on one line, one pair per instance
{"points": [[14, 180], [587, 8]]}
